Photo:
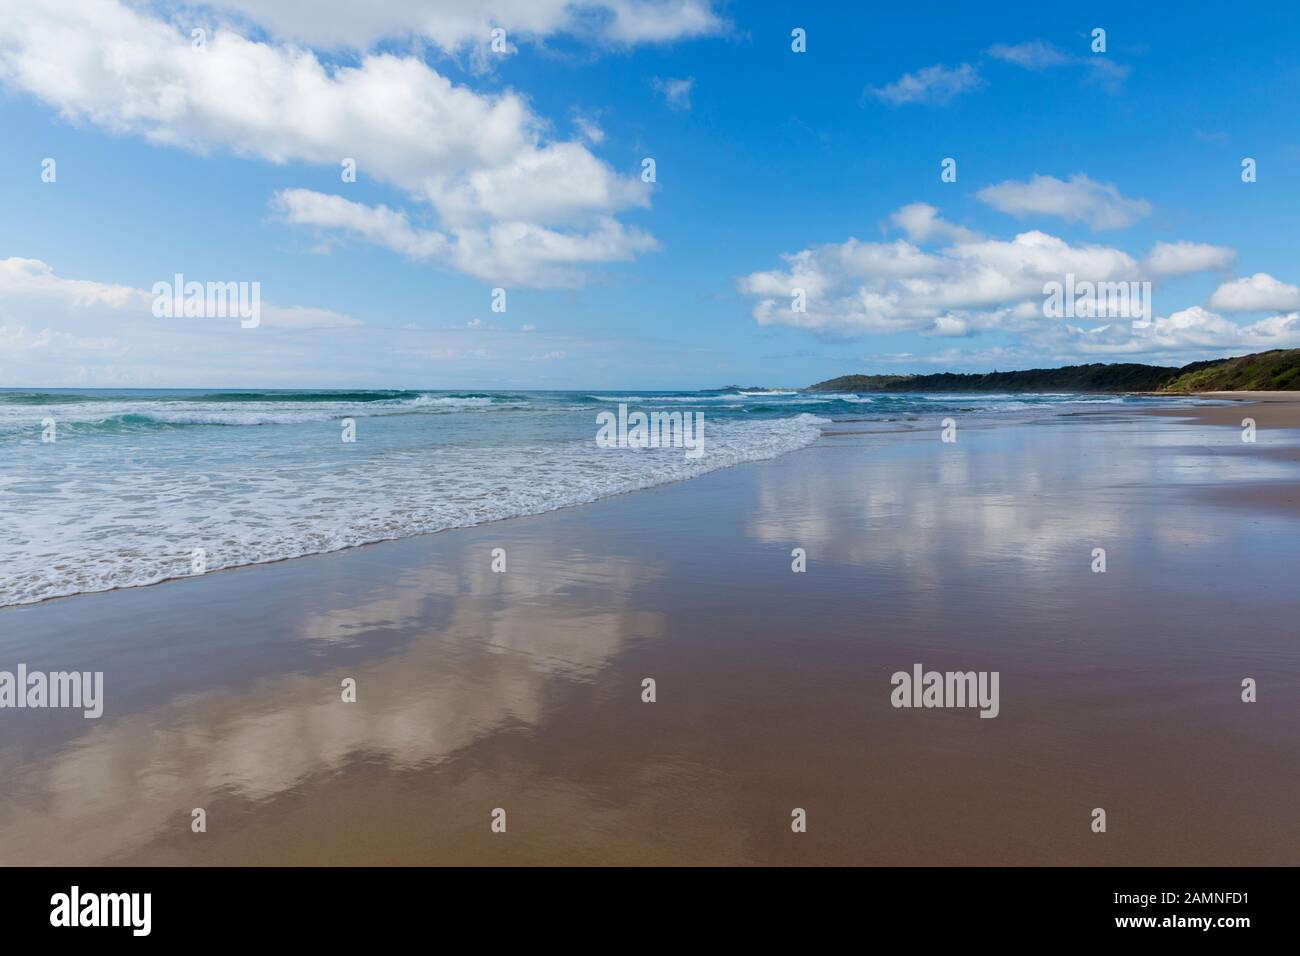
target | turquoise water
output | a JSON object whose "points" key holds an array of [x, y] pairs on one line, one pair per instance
{"points": [[136, 482]]}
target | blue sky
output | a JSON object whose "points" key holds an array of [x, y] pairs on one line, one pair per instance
{"points": [[775, 170]]}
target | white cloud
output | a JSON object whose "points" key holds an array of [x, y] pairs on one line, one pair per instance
{"points": [[16, 339], [948, 326], [453, 24], [516, 253], [921, 223], [1038, 55], [480, 162], [1182, 258], [934, 85], [1258, 293], [1108, 74], [1192, 331], [33, 281], [17, 342], [376, 224], [676, 92], [975, 282], [1032, 54], [1082, 199], [588, 128], [939, 84], [62, 331], [979, 284]]}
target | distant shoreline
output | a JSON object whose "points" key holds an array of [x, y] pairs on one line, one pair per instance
{"points": [[1276, 370]]}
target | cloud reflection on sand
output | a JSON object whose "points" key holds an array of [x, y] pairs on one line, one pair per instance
{"points": [[490, 667], [1024, 496]]}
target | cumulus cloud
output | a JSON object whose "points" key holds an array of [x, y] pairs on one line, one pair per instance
{"points": [[454, 24], [1182, 258], [975, 284], [934, 85], [34, 279], [921, 222], [515, 253], [481, 163], [376, 224], [1257, 293], [977, 281], [1192, 331], [1098, 205]]}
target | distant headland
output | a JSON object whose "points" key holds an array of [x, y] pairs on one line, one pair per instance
{"points": [[1276, 370]]}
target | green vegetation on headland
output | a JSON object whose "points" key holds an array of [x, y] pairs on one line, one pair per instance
{"points": [[1275, 371], [1278, 370]]}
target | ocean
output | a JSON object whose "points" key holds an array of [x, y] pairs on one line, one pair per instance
{"points": [[139, 486]]}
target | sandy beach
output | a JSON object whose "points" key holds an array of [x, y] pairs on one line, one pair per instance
{"points": [[523, 690], [1268, 409]]}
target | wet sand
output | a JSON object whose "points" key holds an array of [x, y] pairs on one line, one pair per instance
{"points": [[1270, 412], [522, 690], [1268, 409]]}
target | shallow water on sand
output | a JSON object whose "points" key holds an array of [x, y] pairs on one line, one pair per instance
{"points": [[139, 486], [522, 690]]}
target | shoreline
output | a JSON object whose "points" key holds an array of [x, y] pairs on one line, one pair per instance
{"points": [[1273, 417], [725, 459]]}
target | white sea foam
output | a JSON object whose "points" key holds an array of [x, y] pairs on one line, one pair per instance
{"points": [[965, 397], [16, 418], [93, 528], [456, 401], [654, 399]]}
